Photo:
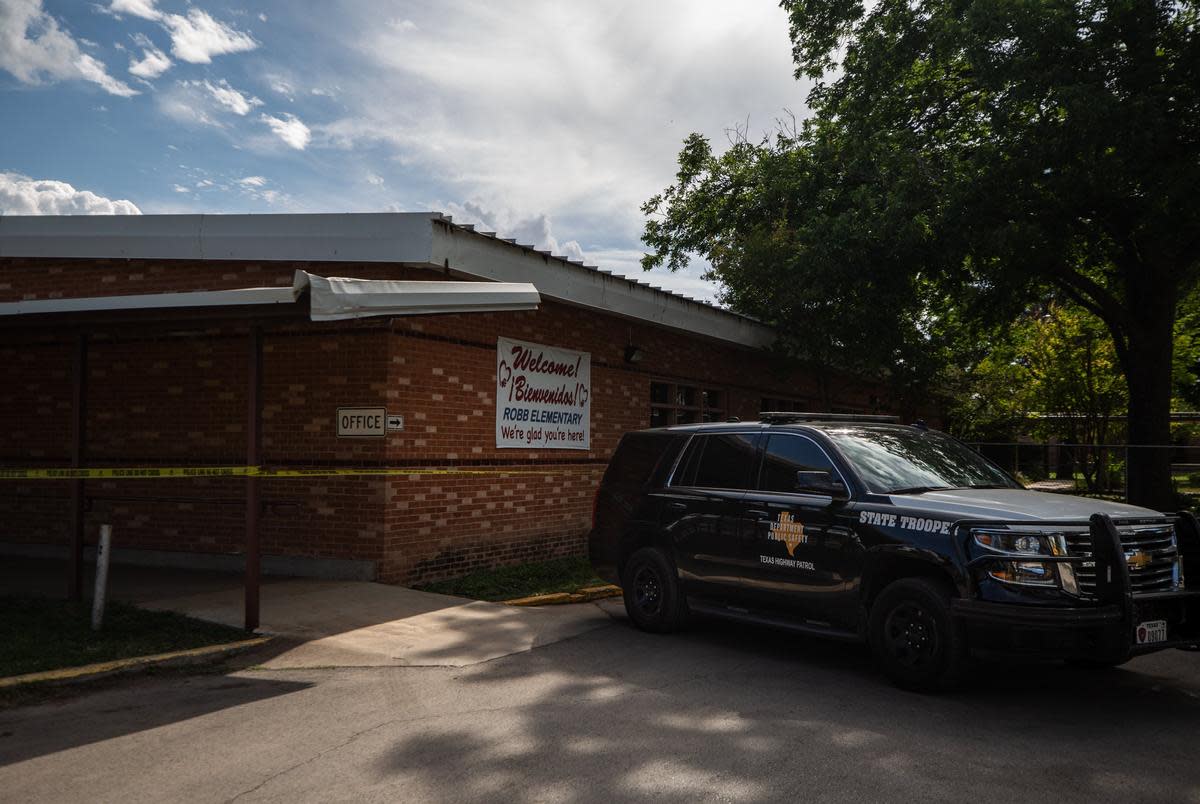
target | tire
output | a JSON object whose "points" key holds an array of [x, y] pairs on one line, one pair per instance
{"points": [[914, 637], [654, 599]]}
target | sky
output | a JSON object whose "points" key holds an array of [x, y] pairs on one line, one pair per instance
{"points": [[551, 121]]}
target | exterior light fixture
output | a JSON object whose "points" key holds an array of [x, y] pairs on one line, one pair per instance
{"points": [[633, 354]]}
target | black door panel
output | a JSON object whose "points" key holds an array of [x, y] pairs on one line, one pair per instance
{"points": [[703, 508], [799, 560]]}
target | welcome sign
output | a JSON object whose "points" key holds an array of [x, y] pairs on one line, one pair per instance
{"points": [[543, 397]]}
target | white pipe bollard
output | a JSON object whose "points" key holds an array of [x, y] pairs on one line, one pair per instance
{"points": [[102, 551]]}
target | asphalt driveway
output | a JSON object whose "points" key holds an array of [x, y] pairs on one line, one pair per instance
{"points": [[720, 713]]}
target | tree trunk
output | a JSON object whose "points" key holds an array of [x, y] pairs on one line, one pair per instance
{"points": [[1148, 371]]}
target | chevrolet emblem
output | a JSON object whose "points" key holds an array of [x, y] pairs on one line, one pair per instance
{"points": [[1137, 560]]}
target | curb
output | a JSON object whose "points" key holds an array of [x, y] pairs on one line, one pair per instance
{"points": [[582, 596], [180, 658]]}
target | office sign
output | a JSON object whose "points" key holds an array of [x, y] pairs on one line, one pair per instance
{"points": [[361, 422]]}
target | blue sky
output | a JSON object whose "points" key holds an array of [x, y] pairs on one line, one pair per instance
{"points": [[548, 120]]}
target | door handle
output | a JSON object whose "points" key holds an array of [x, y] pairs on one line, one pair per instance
{"points": [[678, 506], [757, 513]]}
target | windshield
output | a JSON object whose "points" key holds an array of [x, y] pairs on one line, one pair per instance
{"points": [[892, 461]]}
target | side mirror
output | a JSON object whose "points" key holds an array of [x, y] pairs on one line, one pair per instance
{"points": [[821, 483]]}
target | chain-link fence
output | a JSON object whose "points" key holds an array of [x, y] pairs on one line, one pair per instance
{"points": [[1091, 469]]}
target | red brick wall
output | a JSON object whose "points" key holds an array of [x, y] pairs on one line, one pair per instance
{"points": [[158, 398]]}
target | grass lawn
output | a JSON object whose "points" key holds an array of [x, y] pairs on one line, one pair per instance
{"points": [[39, 634], [522, 580]]}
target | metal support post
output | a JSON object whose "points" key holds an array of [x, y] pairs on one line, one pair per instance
{"points": [[79, 367], [253, 458], [103, 552]]}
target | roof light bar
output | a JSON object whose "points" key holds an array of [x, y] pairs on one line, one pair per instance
{"points": [[782, 416]]}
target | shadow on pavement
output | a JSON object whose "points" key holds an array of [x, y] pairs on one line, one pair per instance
{"points": [[74, 716], [734, 713]]}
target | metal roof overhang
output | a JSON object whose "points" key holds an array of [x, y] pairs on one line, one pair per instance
{"points": [[330, 299], [428, 240]]}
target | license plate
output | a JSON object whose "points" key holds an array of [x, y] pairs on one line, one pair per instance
{"points": [[1152, 631]]}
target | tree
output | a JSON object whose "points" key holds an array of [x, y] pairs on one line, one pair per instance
{"points": [[965, 157], [1053, 375]]}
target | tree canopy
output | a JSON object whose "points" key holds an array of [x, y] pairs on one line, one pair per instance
{"points": [[964, 158]]}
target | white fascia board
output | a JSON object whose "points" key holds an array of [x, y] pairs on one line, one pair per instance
{"points": [[354, 237], [153, 301], [486, 258]]}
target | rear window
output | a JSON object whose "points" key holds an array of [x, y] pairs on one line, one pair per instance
{"points": [[639, 455], [718, 461]]}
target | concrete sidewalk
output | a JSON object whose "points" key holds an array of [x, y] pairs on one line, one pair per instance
{"points": [[333, 623], [363, 624]]}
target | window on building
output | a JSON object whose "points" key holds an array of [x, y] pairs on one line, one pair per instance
{"points": [[676, 403], [718, 462]]}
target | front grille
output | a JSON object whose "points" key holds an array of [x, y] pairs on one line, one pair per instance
{"points": [[1158, 542]]}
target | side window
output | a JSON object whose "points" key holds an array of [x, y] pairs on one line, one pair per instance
{"points": [[784, 456], [718, 462]]}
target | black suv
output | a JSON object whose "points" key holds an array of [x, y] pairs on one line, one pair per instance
{"points": [[860, 529]]}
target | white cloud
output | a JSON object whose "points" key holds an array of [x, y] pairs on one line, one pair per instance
{"points": [[195, 38], [262, 17], [92, 70], [582, 128], [35, 49], [374, 179], [290, 129], [198, 37], [252, 181], [137, 8], [152, 64], [533, 231], [203, 102], [179, 188], [21, 195], [229, 97], [280, 85]]}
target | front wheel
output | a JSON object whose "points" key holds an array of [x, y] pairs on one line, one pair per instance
{"points": [[653, 597], [914, 637]]}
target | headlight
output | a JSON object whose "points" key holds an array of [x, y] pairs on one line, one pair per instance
{"points": [[1029, 573], [1024, 543]]}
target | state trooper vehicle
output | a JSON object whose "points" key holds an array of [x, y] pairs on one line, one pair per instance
{"points": [[901, 537]]}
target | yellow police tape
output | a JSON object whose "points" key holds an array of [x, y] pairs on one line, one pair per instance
{"points": [[153, 472]]}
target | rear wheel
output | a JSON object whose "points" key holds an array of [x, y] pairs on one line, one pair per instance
{"points": [[653, 597], [914, 637]]}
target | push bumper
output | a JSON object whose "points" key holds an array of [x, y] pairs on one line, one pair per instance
{"points": [[1102, 633], [1106, 629]]}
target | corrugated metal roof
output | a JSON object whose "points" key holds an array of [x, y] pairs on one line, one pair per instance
{"points": [[467, 227]]}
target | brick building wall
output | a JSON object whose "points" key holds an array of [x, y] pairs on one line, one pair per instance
{"points": [[177, 397]]}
